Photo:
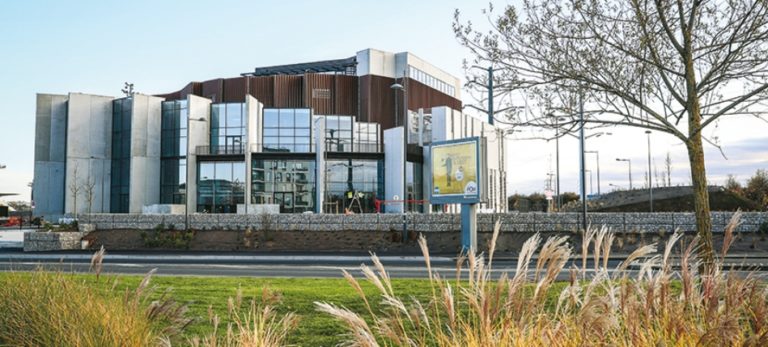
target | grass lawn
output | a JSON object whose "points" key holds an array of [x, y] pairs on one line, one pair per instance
{"points": [[298, 296]]}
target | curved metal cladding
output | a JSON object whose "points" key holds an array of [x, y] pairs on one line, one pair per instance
{"points": [[368, 97]]}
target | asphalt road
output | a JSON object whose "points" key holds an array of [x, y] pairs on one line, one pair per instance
{"points": [[286, 266]]}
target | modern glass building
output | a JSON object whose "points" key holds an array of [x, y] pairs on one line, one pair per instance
{"points": [[320, 137]]}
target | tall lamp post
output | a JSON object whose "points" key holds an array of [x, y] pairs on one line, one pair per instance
{"points": [[186, 181], [650, 182], [597, 159], [400, 87], [630, 170]]}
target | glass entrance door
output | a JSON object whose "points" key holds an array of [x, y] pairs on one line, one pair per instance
{"points": [[285, 200]]}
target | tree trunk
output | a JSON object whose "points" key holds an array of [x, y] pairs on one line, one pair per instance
{"points": [[701, 201], [696, 159]]}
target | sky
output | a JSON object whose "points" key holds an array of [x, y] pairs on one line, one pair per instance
{"points": [[96, 46]]}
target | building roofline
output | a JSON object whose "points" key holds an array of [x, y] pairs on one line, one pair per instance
{"points": [[335, 65]]}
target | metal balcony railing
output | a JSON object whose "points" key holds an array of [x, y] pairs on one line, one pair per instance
{"points": [[220, 150], [310, 148]]}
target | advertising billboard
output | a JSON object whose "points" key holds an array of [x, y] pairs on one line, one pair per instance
{"points": [[456, 171]]}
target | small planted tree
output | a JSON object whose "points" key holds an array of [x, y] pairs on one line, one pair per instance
{"points": [[89, 188], [74, 189]]}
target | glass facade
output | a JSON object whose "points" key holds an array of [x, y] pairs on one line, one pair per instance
{"points": [[415, 185], [350, 178], [288, 183], [173, 152], [287, 130], [121, 155], [228, 128], [413, 127], [338, 133], [220, 186], [366, 137]]}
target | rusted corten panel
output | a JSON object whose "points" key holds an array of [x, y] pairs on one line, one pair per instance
{"points": [[194, 88], [212, 89], [234, 89], [318, 92], [421, 96], [262, 88], [191, 88], [377, 102], [288, 92], [345, 96]]}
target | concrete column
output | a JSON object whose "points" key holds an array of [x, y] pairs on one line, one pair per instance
{"points": [[198, 134], [393, 168], [319, 130], [253, 111], [145, 152], [50, 157], [88, 151]]}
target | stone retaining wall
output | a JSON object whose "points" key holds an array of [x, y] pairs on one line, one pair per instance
{"points": [[428, 223], [52, 241]]}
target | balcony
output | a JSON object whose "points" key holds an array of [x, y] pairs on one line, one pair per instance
{"points": [[237, 149], [310, 148]]}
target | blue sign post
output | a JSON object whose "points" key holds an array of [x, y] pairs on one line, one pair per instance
{"points": [[457, 172]]}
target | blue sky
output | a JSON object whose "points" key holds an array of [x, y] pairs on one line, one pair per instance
{"points": [[95, 46]]}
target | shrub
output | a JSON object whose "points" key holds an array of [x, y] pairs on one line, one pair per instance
{"points": [[159, 238], [54, 309], [597, 307], [259, 326]]}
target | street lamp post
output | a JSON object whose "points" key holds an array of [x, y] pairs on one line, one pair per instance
{"points": [[590, 181], [597, 159], [186, 181], [650, 182], [630, 170]]}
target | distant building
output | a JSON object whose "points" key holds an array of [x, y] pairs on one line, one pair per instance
{"points": [[306, 137]]}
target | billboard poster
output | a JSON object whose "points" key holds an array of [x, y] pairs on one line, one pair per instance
{"points": [[455, 171]]}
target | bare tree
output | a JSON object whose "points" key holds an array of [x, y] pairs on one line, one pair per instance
{"points": [[673, 67], [668, 168], [74, 189], [89, 188]]}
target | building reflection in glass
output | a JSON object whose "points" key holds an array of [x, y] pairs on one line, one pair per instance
{"points": [[220, 186], [289, 183], [347, 177]]}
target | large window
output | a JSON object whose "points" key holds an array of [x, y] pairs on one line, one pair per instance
{"points": [[413, 127], [287, 130], [350, 181], [228, 128], [173, 152], [220, 186], [366, 137], [121, 155], [288, 183], [338, 133]]}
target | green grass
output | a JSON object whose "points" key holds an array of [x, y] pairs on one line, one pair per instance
{"points": [[298, 296]]}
